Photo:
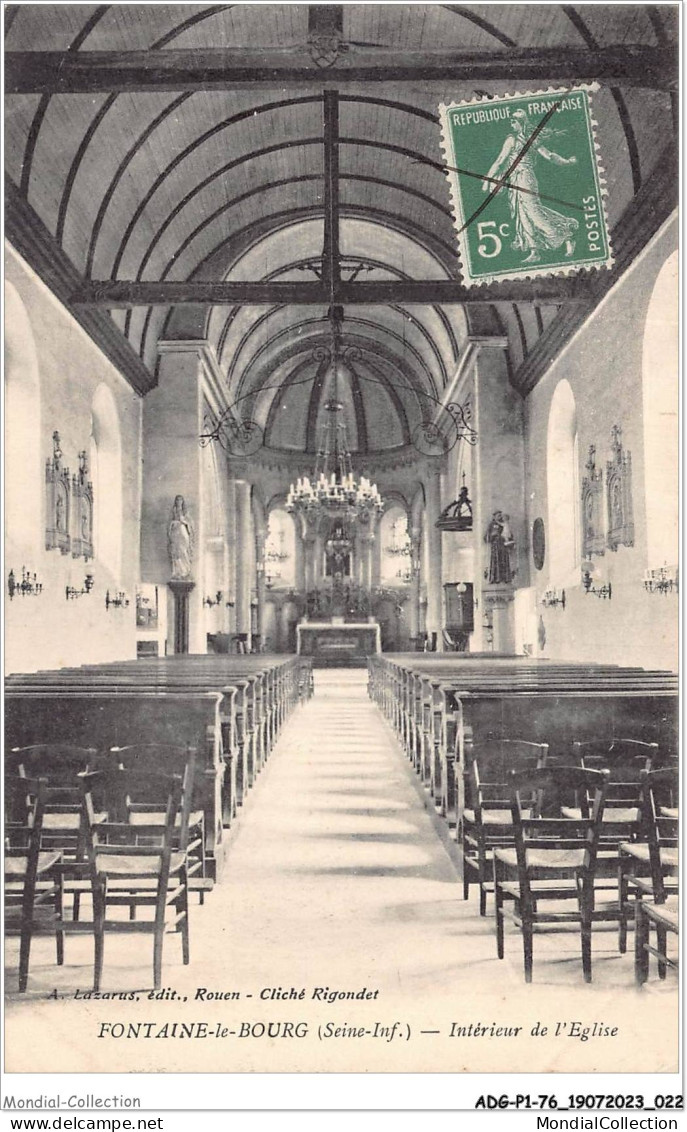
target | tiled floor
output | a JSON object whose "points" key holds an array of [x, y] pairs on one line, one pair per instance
{"points": [[340, 877]]}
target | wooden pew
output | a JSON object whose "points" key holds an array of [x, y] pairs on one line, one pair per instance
{"points": [[234, 723], [106, 718], [263, 692], [438, 705]]}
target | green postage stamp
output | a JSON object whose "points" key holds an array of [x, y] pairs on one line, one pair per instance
{"points": [[527, 184]]}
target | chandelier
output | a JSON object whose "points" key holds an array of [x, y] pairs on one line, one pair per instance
{"points": [[333, 489]]}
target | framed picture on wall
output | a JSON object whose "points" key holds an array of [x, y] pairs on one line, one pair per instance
{"points": [[146, 607]]}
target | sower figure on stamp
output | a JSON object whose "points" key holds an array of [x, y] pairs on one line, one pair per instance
{"points": [[537, 228]]}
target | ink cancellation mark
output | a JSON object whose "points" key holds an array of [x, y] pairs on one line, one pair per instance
{"points": [[527, 185]]}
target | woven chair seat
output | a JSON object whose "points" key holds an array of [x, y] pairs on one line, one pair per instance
{"points": [[116, 864], [543, 858], [490, 817], [611, 813], [640, 851], [68, 823], [15, 867], [155, 817]]}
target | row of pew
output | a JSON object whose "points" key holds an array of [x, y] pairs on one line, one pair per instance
{"points": [[562, 783], [229, 708], [440, 704]]}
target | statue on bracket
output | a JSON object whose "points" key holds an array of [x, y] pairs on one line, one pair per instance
{"points": [[180, 541], [82, 542], [58, 500], [621, 530], [592, 509], [500, 538]]}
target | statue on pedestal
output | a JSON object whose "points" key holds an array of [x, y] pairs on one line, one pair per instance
{"points": [[180, 540], [500, 538]]}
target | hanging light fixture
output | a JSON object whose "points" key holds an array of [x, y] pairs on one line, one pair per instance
{"points": [[333, 489]]}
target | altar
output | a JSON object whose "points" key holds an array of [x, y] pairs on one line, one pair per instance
{"points": [[338, 643]]}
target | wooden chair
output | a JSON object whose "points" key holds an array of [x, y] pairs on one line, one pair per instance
{"points": [[33, 880], [625, 759], [147, 808], [487, 821], [553, 860], [649, 868], [61, 764], [665, 919], [123, 871]]}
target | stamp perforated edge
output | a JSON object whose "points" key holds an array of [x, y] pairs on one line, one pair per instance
{"points": [[456, 203]]}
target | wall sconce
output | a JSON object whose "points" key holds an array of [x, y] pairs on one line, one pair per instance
{"points": [[29, 584], [552, 598], [119, 601], [216, 600], [661, 581], [89, 582], [604, 591]]}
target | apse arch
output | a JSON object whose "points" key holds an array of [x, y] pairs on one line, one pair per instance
{"points": [[106, 475], [23, 463], [660, 396], [562, 483]]}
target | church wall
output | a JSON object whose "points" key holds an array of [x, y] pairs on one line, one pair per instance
{"points": [[48, 631], [604, 367]]}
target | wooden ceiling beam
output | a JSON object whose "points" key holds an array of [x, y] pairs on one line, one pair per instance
{"points": [[121, 293], [331, 265], [219, 68]]}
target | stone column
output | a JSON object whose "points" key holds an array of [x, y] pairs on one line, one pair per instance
{"points": [[498, 464], [309, 555], [377, 561], [415, 559], [244, 534], [172, 423], [434, 583], [317, 557], [260, 539], [300, 554], [232, 558]]}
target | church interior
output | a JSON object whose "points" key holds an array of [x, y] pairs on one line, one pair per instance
{"points": [[283, 491]]}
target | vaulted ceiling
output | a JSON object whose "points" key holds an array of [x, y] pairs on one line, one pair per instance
{"points": [[189, 144]]}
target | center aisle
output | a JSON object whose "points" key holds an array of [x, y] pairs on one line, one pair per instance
{"points": [[338, 881]]}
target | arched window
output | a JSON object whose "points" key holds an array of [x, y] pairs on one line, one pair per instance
{"points": [[395, 545], [24, 461], [562, 478], [660, 402], [105, 473], [280, 550]]}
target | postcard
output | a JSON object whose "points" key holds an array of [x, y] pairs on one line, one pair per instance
{"points": [[341, 575]]}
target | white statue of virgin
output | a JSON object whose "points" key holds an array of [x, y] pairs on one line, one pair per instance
{"points": [[180, 537]]}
